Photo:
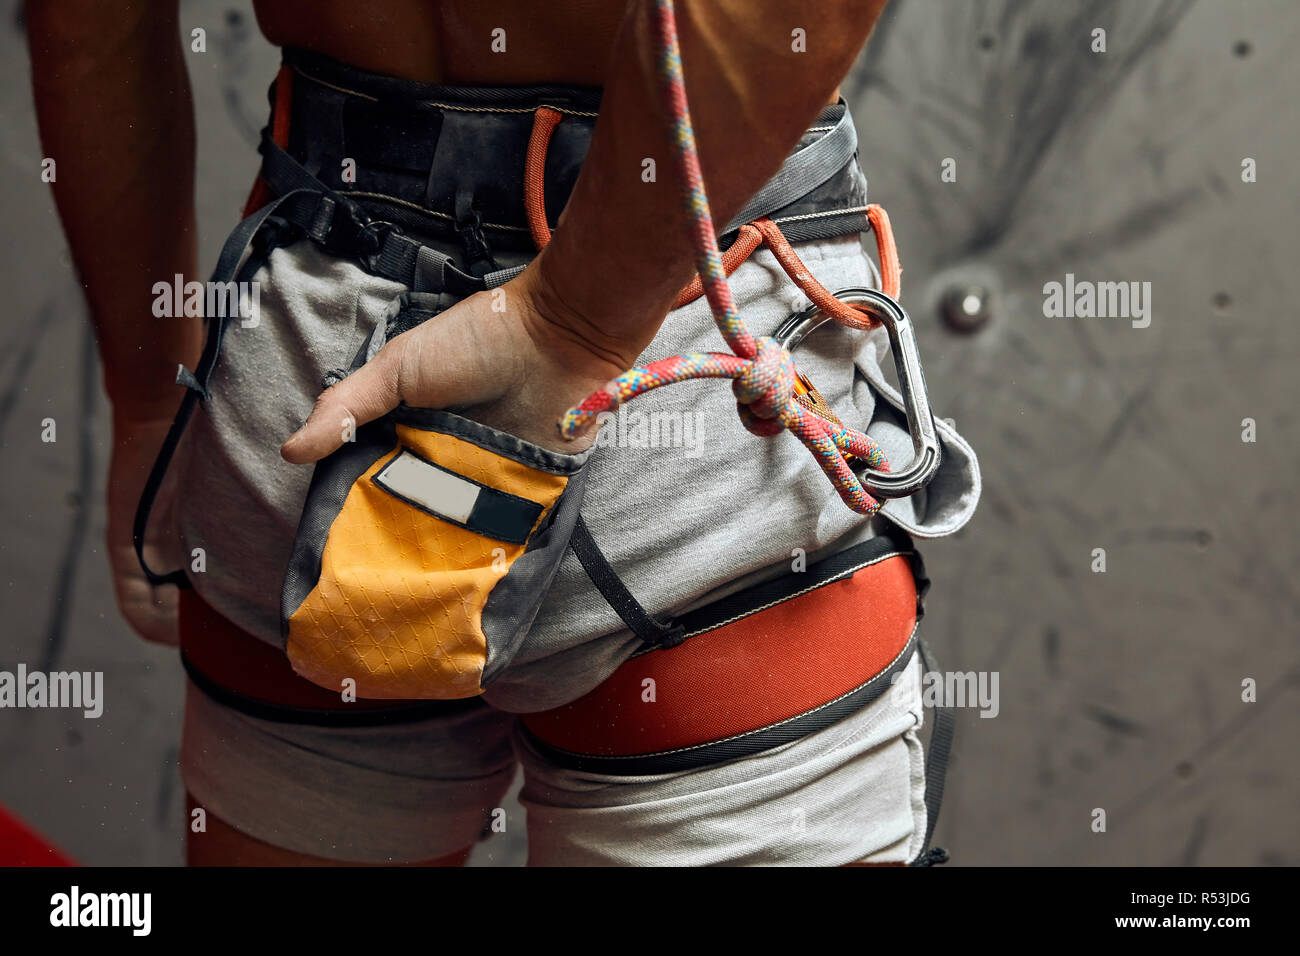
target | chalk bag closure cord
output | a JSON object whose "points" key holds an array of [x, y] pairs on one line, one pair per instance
{"points": [[771, 394]]}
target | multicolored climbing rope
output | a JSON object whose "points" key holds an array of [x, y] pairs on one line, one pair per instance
{"points": [[762, 372]]}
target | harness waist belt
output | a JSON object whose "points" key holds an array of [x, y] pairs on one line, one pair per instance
{"points": [[444, 160]]}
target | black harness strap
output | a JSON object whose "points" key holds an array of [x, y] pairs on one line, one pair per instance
{"points": [[341, 227], [265, 231], [398, 712], [941, 735], [615, 592], [936, 766]]}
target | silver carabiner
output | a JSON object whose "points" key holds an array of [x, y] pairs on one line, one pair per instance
{"points": [[911, 383]]}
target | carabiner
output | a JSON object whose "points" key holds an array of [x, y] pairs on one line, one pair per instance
{"points": [[911, 383]]}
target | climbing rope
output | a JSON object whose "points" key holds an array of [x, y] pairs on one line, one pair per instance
{"points": [[764, 379]]}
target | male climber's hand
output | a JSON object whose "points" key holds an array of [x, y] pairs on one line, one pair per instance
{"points": [[516, 367], [150, 610]]}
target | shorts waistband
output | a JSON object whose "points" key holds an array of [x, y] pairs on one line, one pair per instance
{"points": [[435, 159]]}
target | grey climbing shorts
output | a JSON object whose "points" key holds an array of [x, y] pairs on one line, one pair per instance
{"points": [[851, 792]]}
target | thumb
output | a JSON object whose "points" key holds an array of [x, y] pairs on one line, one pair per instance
{"points": [[363, 396]]}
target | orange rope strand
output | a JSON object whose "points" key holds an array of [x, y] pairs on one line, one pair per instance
{"points": [[748, 240], [544, 122], [891, 267]]}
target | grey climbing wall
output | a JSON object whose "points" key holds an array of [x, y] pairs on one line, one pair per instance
{"points": [[1119, 690], [1009, 155]]}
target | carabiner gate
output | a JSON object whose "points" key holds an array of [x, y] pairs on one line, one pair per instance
{"points": [[911, 383]]}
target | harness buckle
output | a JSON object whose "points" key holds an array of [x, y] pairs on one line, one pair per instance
{"points": [[339, 226], [370, 241], [469, 226], [911, 384]]}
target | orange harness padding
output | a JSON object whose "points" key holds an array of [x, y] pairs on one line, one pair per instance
{"points": [[753, 681], [261, 194], [250, 675]]}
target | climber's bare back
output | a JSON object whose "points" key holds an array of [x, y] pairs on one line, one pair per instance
{"points": [[455, 41]]}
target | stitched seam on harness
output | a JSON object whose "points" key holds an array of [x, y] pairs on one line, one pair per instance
{"points": [[315, 79], [416, 207], [446, 106], [839, 575], [384, 197], [819, 215], [747, 733], [509, 109]]}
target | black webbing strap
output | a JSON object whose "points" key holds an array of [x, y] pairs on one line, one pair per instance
{"points": [[619, 597], [803, 172], [941, 734], [295, 205], [936, 764], [341, 227]]}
